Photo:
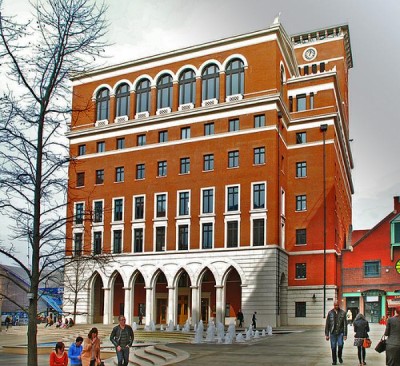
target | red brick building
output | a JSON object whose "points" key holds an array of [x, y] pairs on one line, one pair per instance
{"points": [[218, 176], [371, 268]]}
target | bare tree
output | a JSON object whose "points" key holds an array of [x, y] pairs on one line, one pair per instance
{"points": [[37, 59]]}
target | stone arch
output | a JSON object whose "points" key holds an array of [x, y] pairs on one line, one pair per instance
{"points": [[96, 298]]}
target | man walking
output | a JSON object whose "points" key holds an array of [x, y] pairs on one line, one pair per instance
{"points": [[336, 331], [254, 320], [240, 318], [122, 338]]}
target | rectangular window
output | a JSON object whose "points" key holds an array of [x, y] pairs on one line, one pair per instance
{"points": [[301, 102], [101, 146], [160, 238], [183, 237], [97, 240], [311, 100], [208, 162], [98, 211], [306, 70], [322, 67], [372, 268], [207, 235], [314, 68], [140, 171], [141, 140], [78, 244], [259, 155], [301, 137], [234, 125], [301, 202], [163, 136], [301, 169], [209, 129], [118, 209], [100, 176], [80, 179], [185, 133], [117, 241], [259, 121], [300, 309], [121, 143], [396, 232], [183, 203], [185, 166], [138, 240], [301, 270], [119, 174], [161, 202], [208, 201], [258, 196], [162, 168], [139, 208], [290, 104], [232, 237], [233, 199], [81, 150], [233, 159], [301, 236], [79, 213], [258, 232]]}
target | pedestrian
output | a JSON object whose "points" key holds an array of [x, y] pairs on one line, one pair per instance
{"points": [[90, 355], [392, 331], [7, 321], [336, 331], [254, 320], [140, 318], [75, 351], [349, 317], [59, 357], [122, 338], [240, 317], [361, 329]]}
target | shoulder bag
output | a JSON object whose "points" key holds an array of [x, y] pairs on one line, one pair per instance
{"points": [[367, 343], [381, 346]]}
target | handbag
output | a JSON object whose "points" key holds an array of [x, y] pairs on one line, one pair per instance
{"points": [[358, 342], [381, 346], [367, 343]]}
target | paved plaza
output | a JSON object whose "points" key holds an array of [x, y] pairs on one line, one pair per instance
{"points": [[289, 346]]}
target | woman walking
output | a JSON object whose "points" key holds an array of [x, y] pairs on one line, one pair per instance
{"points": [[361, 329], [393, 341], [91, 349]]}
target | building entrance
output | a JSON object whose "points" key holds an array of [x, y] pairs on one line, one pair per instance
{"points": [[162, 308], [372, 311], [183, 305]]}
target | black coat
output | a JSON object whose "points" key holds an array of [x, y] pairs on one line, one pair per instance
{"points": [[336, 323], [361, 327]]}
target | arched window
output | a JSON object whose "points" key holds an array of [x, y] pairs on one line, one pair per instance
{"points": [[164, 91], [235, 77], [103, 104], [122, 99], [143, 96], [210, 82], [187, 87]]}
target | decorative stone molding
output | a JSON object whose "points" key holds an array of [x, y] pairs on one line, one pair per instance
{"points": [[120, 119], [162, 111], [101, 123], [142, 115], [234, 98], [208, 102], [186, 107]]}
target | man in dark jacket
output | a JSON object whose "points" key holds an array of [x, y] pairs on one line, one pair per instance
{"points": [[122, 338], [336, 331]]}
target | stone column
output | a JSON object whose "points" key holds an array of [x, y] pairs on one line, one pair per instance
{"points": [[195, 305], [149, 305], [171, 305], [219, 303], [127, 305], [107, 315]]}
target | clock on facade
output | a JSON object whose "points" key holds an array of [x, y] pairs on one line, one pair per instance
{"points": [[309, 53]]}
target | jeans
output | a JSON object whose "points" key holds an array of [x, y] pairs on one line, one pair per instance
{"points": [[336, 343], [123, 356]]}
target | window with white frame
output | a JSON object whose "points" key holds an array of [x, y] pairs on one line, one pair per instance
{"points": [[232, 234], [98, 212], [79, 213], [138, 240], [160, 237], [183, 203], [183, 237], [232, 198], [143, 91], [122, 100], [258, 196], [235, 77], [118, 210], [161, 205], [117, 241], [210, 82], [207, 235], [78, 244], [97, 242], [103, 104], [138, 213], [207, 200], [258, 231]]}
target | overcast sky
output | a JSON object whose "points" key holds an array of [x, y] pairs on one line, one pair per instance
{"points": [[141, 28]]}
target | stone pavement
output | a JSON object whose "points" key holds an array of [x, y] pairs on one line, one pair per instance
{"points": [[289, 346]]}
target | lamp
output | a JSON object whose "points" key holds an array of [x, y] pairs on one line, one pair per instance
{"points": [[314, 297]]}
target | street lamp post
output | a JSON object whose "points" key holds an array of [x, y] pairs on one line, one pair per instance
{"points": [[324, 128]]}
